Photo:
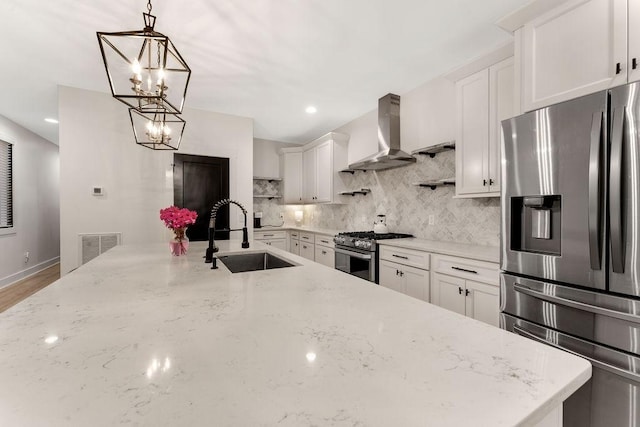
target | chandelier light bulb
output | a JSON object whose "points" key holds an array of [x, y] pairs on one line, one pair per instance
{"points": [[135, 67]]}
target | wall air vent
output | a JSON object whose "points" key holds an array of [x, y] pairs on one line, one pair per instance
{"points": [[90, 245]]}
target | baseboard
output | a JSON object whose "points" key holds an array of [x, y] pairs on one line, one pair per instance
{"points": [[11, 279]]}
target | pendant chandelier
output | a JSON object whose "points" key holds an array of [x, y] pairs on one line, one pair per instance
{"points": [[158, 130], [147, 73]]}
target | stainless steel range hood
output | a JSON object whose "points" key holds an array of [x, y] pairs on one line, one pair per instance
{"points": [[389, 154]]}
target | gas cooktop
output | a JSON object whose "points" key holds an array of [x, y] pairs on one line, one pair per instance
{"points": [[373, 236], [365, 239]]}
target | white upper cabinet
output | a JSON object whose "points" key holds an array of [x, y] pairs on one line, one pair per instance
{"points": [[575, 49], [291, 166], [309, 180], [311, 173], [324, 172], [318, 173], [483, 100]]}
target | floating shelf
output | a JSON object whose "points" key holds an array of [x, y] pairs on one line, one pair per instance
{"points": [[363, 191], [436, 183], [435, 149], [266, 196], [351, 171], [267, 178]]}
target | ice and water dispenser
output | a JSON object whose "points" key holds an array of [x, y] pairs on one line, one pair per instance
{"points": [[536, 224]]}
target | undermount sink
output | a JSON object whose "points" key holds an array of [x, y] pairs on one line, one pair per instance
{"points": [[240, 263]]}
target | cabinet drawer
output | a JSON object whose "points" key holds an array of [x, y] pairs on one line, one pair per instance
{"points": [[295, 235], [324, 241], [307, 237], [264, 235], [409, 257], [465, 268]]}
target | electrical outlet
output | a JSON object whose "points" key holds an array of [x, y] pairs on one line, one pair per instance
{"points": [[26, 257], [432, 219]]}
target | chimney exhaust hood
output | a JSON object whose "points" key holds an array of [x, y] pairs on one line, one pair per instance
{"points": [[389, 154]]}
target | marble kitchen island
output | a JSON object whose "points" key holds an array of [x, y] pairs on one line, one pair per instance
{"points": [[144, 338]]}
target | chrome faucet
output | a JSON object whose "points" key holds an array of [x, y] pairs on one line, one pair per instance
{"points": [[208, 257]]}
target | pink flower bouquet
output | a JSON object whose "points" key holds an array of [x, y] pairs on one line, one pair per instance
{"points": [[178, 220]]}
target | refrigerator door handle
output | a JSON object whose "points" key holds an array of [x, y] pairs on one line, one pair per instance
{"points": [[597, 348], [594, 190], [618, 131], [576, 304]]}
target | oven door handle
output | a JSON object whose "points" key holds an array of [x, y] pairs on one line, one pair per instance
{"points": [[522, 331], [353, 254]]}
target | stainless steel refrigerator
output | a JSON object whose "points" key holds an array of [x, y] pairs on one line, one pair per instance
{"points": [[570, 247]]}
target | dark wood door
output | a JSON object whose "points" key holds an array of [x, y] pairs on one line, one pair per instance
{"points": [[198, 183]]}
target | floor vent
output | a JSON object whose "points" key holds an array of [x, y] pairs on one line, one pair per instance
{"points": [[91, 244]]}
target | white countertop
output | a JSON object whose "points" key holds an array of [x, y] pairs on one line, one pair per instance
{"points": [[481, 253], [317, 230], [147, 338]]}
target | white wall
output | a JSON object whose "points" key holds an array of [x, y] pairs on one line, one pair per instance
{"points": [[427, 117], [97, 148], [266, 158], [36, 205]]}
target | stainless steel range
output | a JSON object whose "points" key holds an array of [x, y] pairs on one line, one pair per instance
{"points": [[357, 252]]}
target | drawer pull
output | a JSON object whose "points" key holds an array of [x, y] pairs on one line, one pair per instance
{"points": [[304, 247], [305, 237], [267, 235], [465, 270], [324, 252], [400, 256], [324, 241]]}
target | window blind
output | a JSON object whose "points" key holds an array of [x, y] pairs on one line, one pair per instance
{"points": [[6, 185]]}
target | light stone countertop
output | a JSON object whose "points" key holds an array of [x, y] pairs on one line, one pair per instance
{"points": [[144, 338], [480, 253], [324, 231]]}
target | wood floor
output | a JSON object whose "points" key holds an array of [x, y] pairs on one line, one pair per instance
{"points": [[13, 294]]}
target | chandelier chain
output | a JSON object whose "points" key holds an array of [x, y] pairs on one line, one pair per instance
{"points": [[149, 7]]}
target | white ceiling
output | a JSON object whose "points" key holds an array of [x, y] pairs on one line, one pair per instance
{"points": [[265, 59]]}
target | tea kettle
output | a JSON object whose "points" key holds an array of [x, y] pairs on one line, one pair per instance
{"points": [[380, 225]]}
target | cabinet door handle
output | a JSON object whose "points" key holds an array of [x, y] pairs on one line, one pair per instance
{"points": [[484, 182], [465, 270], [324, 252], [634, 63], [304, 247], [459, 290], [491, 182], [400, 256], [401, 273], [466, 292], [618, 68]]}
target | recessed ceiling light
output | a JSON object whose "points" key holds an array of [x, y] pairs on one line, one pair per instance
{"points": [[311, 109], [50, 120]]}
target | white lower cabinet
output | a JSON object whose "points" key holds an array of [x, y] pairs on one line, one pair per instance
{"points": [[325, 256], [307, 250], [403, 278], [294, 246], [324, 251], [449, 292], [277, 239], [294, 242], [467, 287]]}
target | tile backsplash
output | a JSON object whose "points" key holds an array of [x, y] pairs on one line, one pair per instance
{"points": [[407, 207]]}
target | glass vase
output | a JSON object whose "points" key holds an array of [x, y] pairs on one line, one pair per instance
{"points": [[180, 243]]}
